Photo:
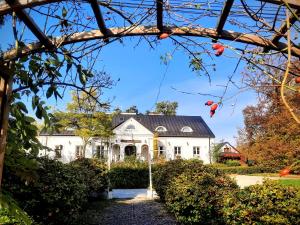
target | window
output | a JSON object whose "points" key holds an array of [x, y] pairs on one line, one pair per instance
{"points": [[130, 127], [57, 150], [186, 129], [160, 129], [226, 149], [161, 150], [100, 153], [79, 151], [196, 151], [177, 151]]}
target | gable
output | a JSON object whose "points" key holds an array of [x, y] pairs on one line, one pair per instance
{"points": [[131, 126]]}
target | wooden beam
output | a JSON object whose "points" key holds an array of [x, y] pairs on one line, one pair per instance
{"points": [[5, 100], [159, 14], [22, 4], [99, 17], [33, 27], [225, 12], [292, 3], [141, 30]]}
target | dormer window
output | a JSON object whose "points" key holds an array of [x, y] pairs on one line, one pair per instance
{"points": [[130, 127], [186, 129], [160, 129]]}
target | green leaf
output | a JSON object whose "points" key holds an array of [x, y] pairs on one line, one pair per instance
{"points": [[49, 92], [82, 76], [22, 107], [69, 66], [29, 119], [64, 12]]}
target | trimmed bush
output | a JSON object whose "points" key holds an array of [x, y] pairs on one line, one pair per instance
{"points": [[129, 174], [164, 173], [270, 203], [57, 196], [246, 169], [295, 168], [197, 197], [94, 173], [232, 163]]}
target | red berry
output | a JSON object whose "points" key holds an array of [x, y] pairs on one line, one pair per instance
{"points": [[214, 107], [209, 103], [220, 51], [216, 46], [212, 112], [297, 80], [163, 35]]}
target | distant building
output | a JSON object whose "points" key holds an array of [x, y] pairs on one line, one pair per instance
{"points": [[139, 135], [227, 151]]}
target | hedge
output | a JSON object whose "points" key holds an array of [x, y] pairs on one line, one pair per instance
{"points": [[246, 169], [129, 175], [196, 197], [269, 203]]}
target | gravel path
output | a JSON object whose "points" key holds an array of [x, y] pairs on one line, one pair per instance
{"points": [[135, 212]]}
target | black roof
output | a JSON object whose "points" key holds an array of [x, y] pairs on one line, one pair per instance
{"points": [[61, 133], [173, 124]]}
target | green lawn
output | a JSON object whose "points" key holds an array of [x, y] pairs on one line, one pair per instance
{"points": [[290, 182]]}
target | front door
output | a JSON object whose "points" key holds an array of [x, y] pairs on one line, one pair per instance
{"points": [[130, 150]]}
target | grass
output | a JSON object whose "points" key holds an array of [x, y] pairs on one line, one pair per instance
{"points": [[290, 182]]}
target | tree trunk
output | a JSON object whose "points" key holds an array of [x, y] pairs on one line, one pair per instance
{"points": [[5, 98]]}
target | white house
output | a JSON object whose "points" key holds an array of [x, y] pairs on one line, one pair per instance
{"points": [[139, 135]]}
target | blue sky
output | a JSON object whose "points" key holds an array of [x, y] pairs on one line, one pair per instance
{"points": [[141, 71]]}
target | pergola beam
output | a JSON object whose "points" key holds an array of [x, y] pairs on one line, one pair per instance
{"points": [[141, 30], [33, 27], [225, 12], [99, 17], [159, 11]]}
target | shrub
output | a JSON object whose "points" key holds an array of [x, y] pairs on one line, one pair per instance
{"points": [[129, 174], [164, 173], [56, 197], [197, 197], [232, 163], [295, 168], [10, 212], [270, 203], [246, 169], [94, 172]]}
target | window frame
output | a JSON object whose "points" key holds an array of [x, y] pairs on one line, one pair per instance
{"points": [[58, 151], [161, 129], [177, 151], [186, 129], [79, 151], [196, 151]]}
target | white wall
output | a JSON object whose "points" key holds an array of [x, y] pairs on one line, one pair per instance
{"points": [[186, 145], [69, 144], [123, 137]]}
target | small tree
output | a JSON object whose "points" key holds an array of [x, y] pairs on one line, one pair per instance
{"points": [[166, 107], [84, 117], [132, 109]]}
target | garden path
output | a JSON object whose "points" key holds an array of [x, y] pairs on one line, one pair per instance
{"points": [[136, 211]]}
